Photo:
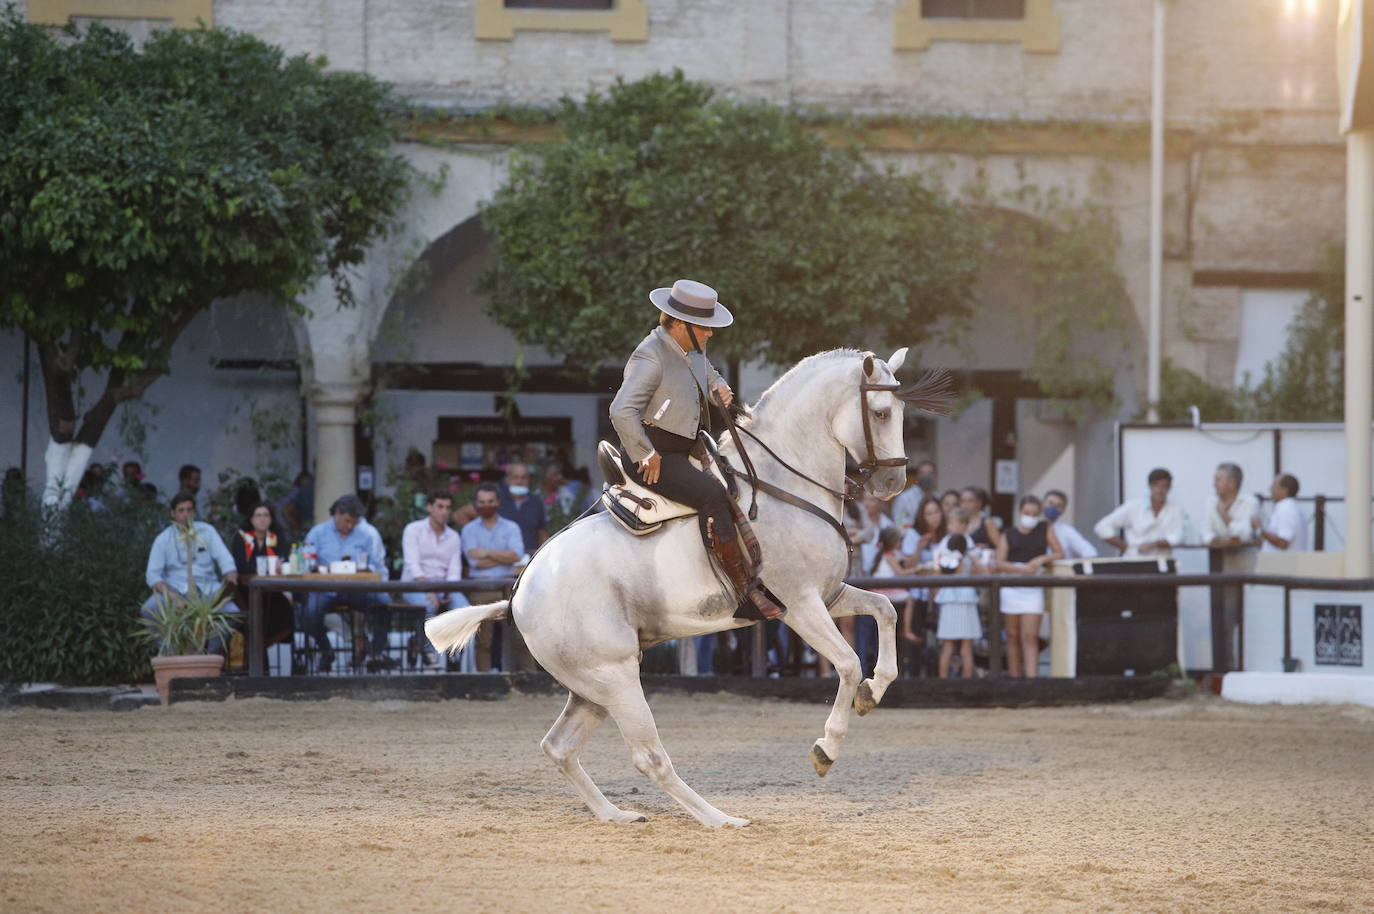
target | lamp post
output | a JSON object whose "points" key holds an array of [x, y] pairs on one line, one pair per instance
{"points": [[1154, 360], [1356, 78]]}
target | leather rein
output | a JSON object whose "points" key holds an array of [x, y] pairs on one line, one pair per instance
{"points": [[853, 484]]}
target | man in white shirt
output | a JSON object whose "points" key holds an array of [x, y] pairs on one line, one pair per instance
{"points": [[1074, 544], [1230, 512], [1285, 531], [429, 546], [1148, 526]]}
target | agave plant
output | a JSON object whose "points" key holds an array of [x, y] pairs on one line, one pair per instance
{"points": [[186, 624]]}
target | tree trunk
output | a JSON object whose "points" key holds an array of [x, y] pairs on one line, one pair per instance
{"points": [[65, 463]]}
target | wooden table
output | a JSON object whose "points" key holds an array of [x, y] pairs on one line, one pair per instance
{"points": [[255, 635]]}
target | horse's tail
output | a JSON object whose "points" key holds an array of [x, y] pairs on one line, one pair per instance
{"points": [[450, 632]]}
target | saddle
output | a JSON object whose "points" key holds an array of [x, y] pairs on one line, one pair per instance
{"points": [[643, 512]]}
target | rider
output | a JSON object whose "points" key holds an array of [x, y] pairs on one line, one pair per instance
{"points": [[661, 406]]}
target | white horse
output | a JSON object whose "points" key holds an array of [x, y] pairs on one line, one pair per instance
{"points": [[596, 596]]}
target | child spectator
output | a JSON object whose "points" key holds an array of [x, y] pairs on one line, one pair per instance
{"points": [[959, 624], [888, 562]]}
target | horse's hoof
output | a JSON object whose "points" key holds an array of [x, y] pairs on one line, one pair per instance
{"points": [[820, 761], [863, 699], [627, 817], [734, 822]]}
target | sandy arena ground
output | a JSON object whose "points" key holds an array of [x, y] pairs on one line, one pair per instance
{"points": [[351, 806]]}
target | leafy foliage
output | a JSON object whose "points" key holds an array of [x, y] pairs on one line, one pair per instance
{"points": [[138, 185], [187, 625], [1305, 384], [73, 587], [811, 245]]}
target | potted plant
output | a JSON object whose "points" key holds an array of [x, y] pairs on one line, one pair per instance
{"points": [[181, 627]]}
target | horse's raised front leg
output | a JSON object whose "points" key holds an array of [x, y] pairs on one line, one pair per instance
{"points": [[809, 619], [852, 602], [564, 742]]}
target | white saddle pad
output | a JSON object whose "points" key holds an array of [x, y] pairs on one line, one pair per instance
{"points": [[648, 509]]}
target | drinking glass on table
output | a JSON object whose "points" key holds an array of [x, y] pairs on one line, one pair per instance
{"points": [[362, 561]]}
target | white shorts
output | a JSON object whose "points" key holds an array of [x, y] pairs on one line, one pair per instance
{"points": [[1021, 601]]}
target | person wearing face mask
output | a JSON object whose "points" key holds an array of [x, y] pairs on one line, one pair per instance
{"points": [[922, 486], [517, 505], [1075, 544], [1026, 548], [491, 544]]}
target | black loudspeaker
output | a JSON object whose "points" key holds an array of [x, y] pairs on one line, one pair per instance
{"points": [[1127, 631]]}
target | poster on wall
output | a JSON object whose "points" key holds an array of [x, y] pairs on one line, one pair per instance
{"points": [[1339, 634]]}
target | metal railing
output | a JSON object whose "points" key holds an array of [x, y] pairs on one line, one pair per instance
{"points": [[994, 583]]}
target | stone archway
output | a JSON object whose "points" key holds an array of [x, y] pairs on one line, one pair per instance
{"points": [[336, 341]]}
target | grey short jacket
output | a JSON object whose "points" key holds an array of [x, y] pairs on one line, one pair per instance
{"points": [[661, 388]]}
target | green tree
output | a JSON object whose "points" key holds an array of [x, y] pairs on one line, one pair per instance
{"points": [[138, 185], [810, 244]]}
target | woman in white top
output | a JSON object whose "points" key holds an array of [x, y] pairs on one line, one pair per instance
{"points": [[1285, 531]]}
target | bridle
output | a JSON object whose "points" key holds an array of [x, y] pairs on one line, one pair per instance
{"points": [[853, 484]]}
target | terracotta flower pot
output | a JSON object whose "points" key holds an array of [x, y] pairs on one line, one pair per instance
{"points": [[181, 666]]}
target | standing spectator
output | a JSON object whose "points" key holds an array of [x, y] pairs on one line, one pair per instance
{"points": [[949, 500], [297, 507], [1230, 512], [872, 521], [1285, 531], [429, 547], [982, 532], [918, 546], [1026, 548], [959, 625], [346, 535], [187, 559], [517, 505], [921, 485], [188, 480], [261, 535], [1074, 544], [1148, 526], [132, 473], [492, 545]]}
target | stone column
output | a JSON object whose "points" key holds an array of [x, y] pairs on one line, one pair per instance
{"points": [[336, 415]]}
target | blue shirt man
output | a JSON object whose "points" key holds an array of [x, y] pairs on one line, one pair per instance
{"points": [[187, 551], [346, 533], [492, 545], [527, 512]]}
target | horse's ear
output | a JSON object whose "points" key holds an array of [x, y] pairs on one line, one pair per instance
{"points": [[897, 359], [868, 364]]}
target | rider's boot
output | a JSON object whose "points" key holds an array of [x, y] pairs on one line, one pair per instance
{"points": [[732, 560]]}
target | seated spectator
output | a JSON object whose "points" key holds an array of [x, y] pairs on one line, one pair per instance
{"points": [[492, 545], [562, 491], [1074, 544], [188, 558], [949, 500], [1230, 512], [347, 536], [1285, 530], [517, 505], [261, 535], [429, 547], [91, 488], [1148, 526]]}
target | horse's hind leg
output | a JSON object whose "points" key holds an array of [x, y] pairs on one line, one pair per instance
{"points": [[853, 601], [564, 742], [636, 722]]}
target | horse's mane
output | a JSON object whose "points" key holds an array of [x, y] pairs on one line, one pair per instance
{"points": [[790, 377]]}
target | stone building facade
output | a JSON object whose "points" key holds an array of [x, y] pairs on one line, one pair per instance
{"points": [[1002, 94]]}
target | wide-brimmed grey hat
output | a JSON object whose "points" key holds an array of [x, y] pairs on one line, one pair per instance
{"points": [[693, 302]]}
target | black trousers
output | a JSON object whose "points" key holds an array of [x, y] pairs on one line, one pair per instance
{"points": [[679, 480]]}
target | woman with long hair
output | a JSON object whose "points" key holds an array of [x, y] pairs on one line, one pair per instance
{"points": [[260, 534]]}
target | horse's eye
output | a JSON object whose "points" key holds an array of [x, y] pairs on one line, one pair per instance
{"points": [[882, 414]]}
